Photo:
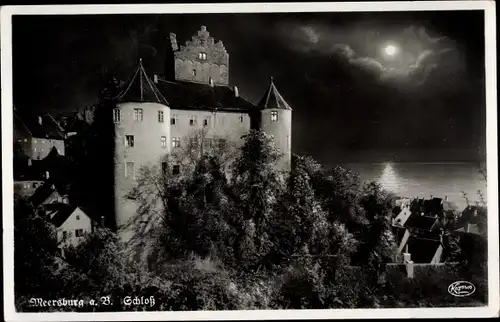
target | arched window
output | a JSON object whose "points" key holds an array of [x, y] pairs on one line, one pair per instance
{"points": [[202, 56]]}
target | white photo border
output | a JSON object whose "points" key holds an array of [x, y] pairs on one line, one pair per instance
{"points": [[492, 310]]}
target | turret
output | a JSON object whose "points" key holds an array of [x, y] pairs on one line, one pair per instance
{"points": [[276, 121]]}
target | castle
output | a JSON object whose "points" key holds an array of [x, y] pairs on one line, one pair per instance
{"points": [[156, 115]]}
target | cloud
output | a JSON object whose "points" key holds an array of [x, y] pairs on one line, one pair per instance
{"points": [[307, 33], [421, 54]]}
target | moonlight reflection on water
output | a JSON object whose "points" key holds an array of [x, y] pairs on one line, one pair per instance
{"points": [[389, 179], [422, 180]]}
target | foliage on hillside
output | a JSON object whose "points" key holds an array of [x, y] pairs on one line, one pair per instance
{"points": [[241, 235]]}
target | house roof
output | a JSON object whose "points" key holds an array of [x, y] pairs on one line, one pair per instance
{"points": [[422, 250], [48, 128], [471, 215], [141, 88], [272, 99], [199, 96], [403, 216], [420, 222], [41, 194], [59, 212]]}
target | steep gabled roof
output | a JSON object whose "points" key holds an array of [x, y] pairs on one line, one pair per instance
{"points": [[41, 194], [59, 212], [141, 88], [422, 250], [272, 99], [43, 126], [421, 222]]}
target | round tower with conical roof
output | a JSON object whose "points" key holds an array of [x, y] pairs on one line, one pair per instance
{"points": [[276, 121], [142, 136]]}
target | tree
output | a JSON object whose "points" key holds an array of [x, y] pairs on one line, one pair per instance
{"points": [[257, 183], [36, 256]]}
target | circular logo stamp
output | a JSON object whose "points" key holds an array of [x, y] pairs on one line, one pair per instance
{"points": [[461, 288]]}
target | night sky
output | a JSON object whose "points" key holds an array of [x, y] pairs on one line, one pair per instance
{"points": [[425, 101]]}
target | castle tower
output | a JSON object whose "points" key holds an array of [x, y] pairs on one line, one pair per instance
{"points": [[142, 137], [201, 59], [276, 120]]}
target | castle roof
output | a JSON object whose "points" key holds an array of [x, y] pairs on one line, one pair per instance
{"points": [[199, 96], [272, 99], [141, 88]]}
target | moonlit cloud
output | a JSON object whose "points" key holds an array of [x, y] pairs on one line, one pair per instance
{"points": [[419, 54]]}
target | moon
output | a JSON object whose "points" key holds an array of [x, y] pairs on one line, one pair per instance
{"points": [[391, 50]]}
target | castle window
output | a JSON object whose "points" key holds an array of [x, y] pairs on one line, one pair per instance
{"points": [[65, 234], [129, 170], [176, 142], [160, 116], [205, 121], [192, 121], [164, 168], [193, 72], [241, 119], [176, 169], [79, 232], [77, 217], [274, 116], [174, 119], [202, 56], [163, 141], [129, 140], [138, 114]]}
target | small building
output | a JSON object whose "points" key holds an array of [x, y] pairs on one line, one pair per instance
{"points": [[28, 180], [34, 137], [71, 222], [473, 219], [26, 187]]}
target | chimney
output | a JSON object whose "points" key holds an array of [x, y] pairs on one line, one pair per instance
{"points": [[47, 174], [102, 221], [211, 81], [173, 42], [410, 269], [236, 91], [155, 78], [40, 120], [29, 162], [408, 263], [65, 199]]}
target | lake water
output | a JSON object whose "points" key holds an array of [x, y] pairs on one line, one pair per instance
{"points": [[425, 179]]}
